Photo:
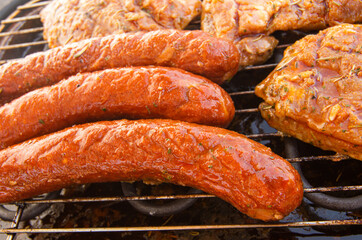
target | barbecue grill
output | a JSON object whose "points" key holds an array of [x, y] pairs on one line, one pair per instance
{"points": [[331, 207]]}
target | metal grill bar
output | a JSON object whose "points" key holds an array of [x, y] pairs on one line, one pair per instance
{"points": [[187, 227], [21, 45], [271, 65], [250, 110], [283, 45], [265, 135], [20, 19], [332, 189], [30, 30], [336, 157], [171, 197], [241, 93], [16, 221], [118, 199], [41, 4]]}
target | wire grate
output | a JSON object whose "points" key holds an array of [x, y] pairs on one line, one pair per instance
{"points": [[26, 13], [185, 227]]}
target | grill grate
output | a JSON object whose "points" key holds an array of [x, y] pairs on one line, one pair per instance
{"points": [[19, 35], [185, 227]]}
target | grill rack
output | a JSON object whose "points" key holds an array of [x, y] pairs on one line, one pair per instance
{"points": [[29, 12]]}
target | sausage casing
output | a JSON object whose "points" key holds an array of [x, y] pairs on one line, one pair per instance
{"points": [[133, 93], [218, 161], [194, 51]]}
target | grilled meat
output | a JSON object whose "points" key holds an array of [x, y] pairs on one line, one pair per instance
{"points": [[74, 20], [237, 20], [224, 163], [194, 51], [255, 50], [315, 93], [221, 19], [234, 18]]}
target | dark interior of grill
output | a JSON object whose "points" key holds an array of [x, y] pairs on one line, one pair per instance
{"points": [[101, 211]]}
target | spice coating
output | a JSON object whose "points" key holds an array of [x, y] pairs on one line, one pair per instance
{"points": [[315, 92], [193, 51], [73, 20], [235, 18], [133, 93], [218, 161], [247, 22]]}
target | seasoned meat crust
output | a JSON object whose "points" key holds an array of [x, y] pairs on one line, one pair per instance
{"points": [[218, 161], [234, 18], [255, 50], [315, 93], [132, 93], [194, 51], [74, 20], [237, 20], [220, 19]]}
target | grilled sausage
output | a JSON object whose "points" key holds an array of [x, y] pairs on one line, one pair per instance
{"points": [[135, 92], [194, 51], [218, 161]]}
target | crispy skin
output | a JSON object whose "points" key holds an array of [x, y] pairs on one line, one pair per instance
{"points": [[138, 92], [74, 20], [239, 19], [194, 51], [315, 93], [218, 161]]}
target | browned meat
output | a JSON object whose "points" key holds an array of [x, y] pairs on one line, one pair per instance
{"points": [[255, 50], [220, 18], [315, 93], [344, 11], [238, 19], [245, 173], [235, 18], [74, 20], [194, 51], [134, 93]]}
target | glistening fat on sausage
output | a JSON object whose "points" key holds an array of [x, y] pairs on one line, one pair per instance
{"points": [[194, 51], [221, 162], [135, 92]]}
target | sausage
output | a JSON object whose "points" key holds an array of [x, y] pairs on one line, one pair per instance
{"points": [[244, 173], [134, 92], [194, 51]]}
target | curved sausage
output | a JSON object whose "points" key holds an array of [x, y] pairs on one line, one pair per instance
{"points": [[135, 92], [218, 161], [194, 51]]}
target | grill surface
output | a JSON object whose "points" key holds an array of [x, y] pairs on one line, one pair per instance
{"points": [[102, 211]]}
